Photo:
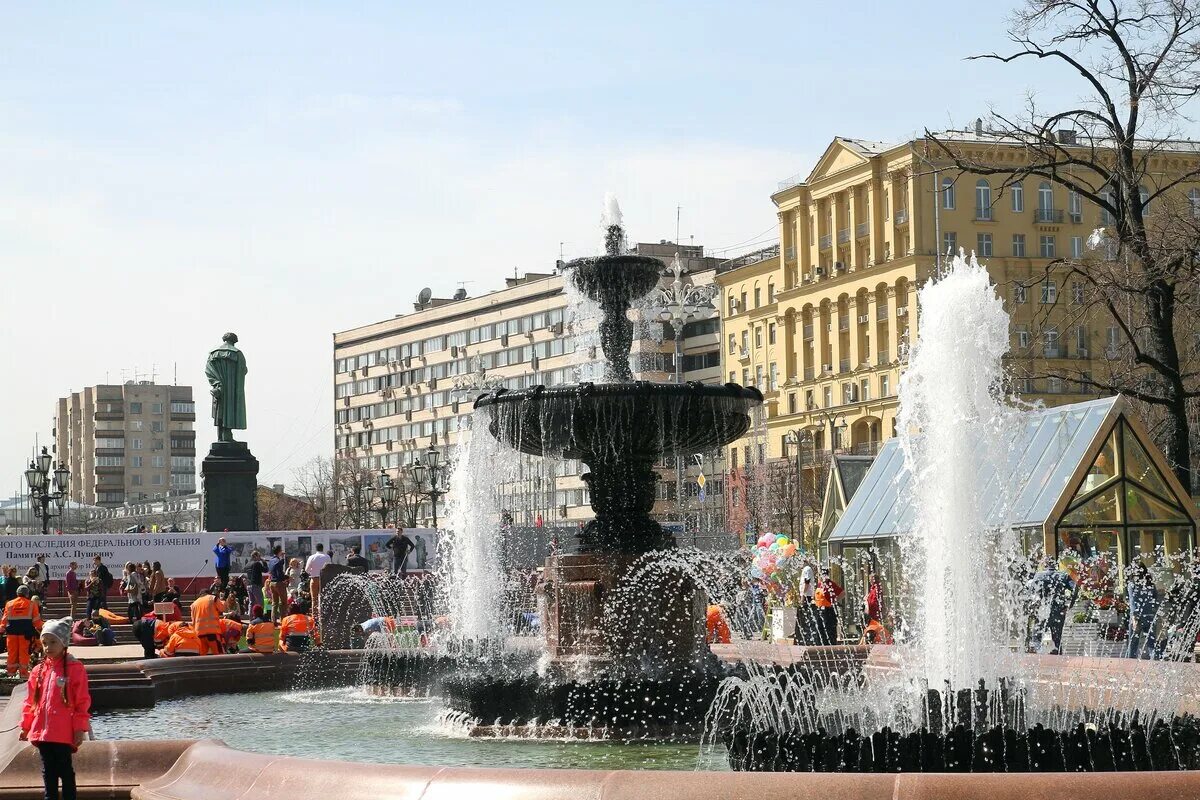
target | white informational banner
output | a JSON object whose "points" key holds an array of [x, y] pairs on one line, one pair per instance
{"points": [[187, 555]]}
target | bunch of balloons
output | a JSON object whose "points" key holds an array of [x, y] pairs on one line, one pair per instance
{"points": [[775, 562]]}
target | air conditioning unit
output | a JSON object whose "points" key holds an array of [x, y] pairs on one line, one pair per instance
{"points": [[1082, 352], [902, 311], [529, 335], [819, 271], [557, 329], [346, 401], [863, 318], [407, 362], [839, 266], [389, 444], [366, 370], [354, 373], [408, 416], [827, 368], [393, 363], [454, 407], [504, 340], [433, 383], [454, 351], [808, 277]]}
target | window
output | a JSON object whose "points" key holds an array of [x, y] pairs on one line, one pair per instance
{"points": [[983, 244], [733, 458], [156, 408], [136, 425], [865, 390], [947, 193], [135, 408], [1144, 197], [136, 480], [827, 396], [732, 304], [156, 426], [1045, 197], [983, 199], [792, 403], [884, 388], [770, 292], [183, 408], [950, 243], [1050, 343], [156, 480], [1194, 202], [1112, 340], [810, 400], [1077, 293], [110, 461], [771, 333], [158, 462], [758, 377], [1046, 246], [757, 297], [732, 344], [1018, 197], [746, 340], [1081, 341], [1049, 292], [1076, 247], [743, 305], [135, 444], [135, 462], [732, 376], [1018, 245], [1023, 338], [1020, 293], [774, 376], [758, 336], [1075, 206], [849, 391], [746, 377]]}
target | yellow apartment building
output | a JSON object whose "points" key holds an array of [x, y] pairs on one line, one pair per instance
{"points": [[822, 327]]}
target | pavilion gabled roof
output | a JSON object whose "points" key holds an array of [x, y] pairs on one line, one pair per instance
{"points": [[1044, 458]]}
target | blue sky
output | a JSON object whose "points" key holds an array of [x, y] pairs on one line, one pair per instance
{"points": [[171, 172]]}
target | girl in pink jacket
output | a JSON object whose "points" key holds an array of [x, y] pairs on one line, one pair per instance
{"points": [[56, 717]]}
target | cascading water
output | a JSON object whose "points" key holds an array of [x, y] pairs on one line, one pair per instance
{"points": [[954, 428]]}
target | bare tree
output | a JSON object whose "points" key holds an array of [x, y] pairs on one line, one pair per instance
{"points": [[783, 497], [316, 484], [1139, 64]]}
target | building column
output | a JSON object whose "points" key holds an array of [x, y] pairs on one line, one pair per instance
{"points": [[821, 324], [851, 229], [872, 328], [911, 195], [855, 330], [835, 320]]}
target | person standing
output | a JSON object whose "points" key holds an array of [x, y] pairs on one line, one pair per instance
{"points": [[206, 622], [356, 563], [71, 587], [106, 581], [316, 562], [825, 598], [221, 553], [1143, 607], [400, 545], [277, 569], [1055, 593], [55, 716], [256, 573], [158, 583], [134, 587], [21, 624], [39, 576]]}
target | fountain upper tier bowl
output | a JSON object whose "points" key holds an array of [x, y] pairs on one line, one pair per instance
{"points": [[620, 419], [615, 280]]}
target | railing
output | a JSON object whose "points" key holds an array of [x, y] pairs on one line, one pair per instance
{"points": [[794, 180], [809, 457], [825, 242], [862, 229], [753, 257], [983, 213], [1048, 215], [881, 312], [1076, 217], [1052, 352], [866, 448], [901, 216], [843, 235]]}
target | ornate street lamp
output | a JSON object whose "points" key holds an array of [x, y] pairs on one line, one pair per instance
{"points": [[42, 492], [433, 469], [387, 493], [679, 304]]}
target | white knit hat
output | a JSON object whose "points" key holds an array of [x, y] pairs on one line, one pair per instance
{"points": [[60, 629]]}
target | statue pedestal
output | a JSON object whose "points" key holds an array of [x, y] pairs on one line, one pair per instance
{"points": [[229, 476]]}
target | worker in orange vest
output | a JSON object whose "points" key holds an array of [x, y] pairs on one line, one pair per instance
{"points": [[297, 631], [183, 642], [260, 633], [21, 623], [231, 632], [206, 621], [716, 628]]}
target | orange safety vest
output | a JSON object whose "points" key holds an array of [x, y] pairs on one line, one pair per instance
{"points": [[261, 637], [206, 615], [296, 625], [162, 631], [21, 617], [183, 642], [231, 630]]}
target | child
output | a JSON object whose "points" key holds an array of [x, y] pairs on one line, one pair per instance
{"points": [[56, 716]]}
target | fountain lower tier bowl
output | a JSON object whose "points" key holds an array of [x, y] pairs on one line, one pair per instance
{"points": [[607, 421]]}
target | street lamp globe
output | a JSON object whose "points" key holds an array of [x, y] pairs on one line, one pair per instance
{"points": [[33, 477], [44, 462], [431, 456], [388, 492], [418, 469], [62, 477]]}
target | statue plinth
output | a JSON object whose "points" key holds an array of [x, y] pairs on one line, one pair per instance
{"points": [[229, 476]]}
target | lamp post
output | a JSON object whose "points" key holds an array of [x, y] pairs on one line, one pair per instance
{"points": [[679, 304], [431, 467], [387, 492], [42, 492], [799, 438]]}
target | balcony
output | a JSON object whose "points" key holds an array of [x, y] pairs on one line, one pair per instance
{"points": [[808, 373], [1048, 216], [183, 416], [902, 216], [862, 230], [109, 415], [825, 242], [866, 448], [743, 354], [983, 214], [883, 358], [1052, 352], [844, 365], [881, 312], [843, 235]]}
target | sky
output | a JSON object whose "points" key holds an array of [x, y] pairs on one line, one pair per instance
{"points": [[169, 172]]}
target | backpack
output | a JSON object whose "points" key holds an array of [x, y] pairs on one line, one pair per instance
{"points": [[106, 577]]}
